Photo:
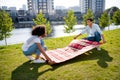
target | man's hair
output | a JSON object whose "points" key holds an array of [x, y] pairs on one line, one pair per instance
{"points": [[38, 30], [90, 19]]}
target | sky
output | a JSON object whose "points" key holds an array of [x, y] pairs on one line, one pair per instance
{"points": [[65, 3]]}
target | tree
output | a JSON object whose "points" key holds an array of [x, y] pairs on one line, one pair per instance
{"points": [[116, 17], [70, 21], [40, 20], [104, 20], [89, 14], [6, 25], [112, 10]]}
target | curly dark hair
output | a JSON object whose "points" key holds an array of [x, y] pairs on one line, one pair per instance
{"points": [[38, 30], [90, 19]]}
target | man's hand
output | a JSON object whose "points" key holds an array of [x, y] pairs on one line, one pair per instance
{"points": [[75, 37]]}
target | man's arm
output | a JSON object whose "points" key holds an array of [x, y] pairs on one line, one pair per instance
{"points": [[99, 30], [77, 36], [83, 31]]}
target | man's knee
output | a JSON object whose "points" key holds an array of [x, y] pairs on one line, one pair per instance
{"points": [[90, 38], [97, 36]]}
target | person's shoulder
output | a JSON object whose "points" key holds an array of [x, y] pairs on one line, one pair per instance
{"points": [[87, 26], [34, 37], [95, 24]]}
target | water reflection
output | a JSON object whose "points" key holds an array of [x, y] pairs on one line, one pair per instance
{"points": [[58, 31], [18, 36]]}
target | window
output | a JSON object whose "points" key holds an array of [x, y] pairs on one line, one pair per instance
{"points": [[40, 0], [44, 0]]}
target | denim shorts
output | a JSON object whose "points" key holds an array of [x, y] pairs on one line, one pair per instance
{"points": [[33, 50]]}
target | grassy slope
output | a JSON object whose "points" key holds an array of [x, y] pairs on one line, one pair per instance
{"points": [[93, 65]]}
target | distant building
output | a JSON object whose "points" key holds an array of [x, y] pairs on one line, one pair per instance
{"points": [[22, 15], [35, 6], [78, 15], [60, 7], [97, 6], [60, 13], [50, 5], [23, 7], [4, 8], [12, 8], [13, 14], [32, 7], [75, 8]]}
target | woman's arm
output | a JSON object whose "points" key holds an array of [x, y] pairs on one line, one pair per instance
{"points": [[43, 52]]}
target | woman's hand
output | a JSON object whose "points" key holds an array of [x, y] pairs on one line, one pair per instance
{"points": [[51, 62], [75, 37]]}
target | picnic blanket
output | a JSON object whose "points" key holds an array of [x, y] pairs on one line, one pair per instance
{"points": [[74, 49]]}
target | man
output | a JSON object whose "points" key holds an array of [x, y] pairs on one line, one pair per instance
{"points": [[94, 32]]}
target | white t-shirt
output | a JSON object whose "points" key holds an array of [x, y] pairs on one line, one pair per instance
{"points": [[32, 40], [90, 34]]}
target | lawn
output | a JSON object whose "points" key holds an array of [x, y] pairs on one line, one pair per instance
{"points": [[92, 65]]}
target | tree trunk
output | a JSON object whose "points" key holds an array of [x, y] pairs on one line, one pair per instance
{"points": [[108, 28], [5, 40]]}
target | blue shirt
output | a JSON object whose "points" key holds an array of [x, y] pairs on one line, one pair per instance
{"points": [[91, 31]]}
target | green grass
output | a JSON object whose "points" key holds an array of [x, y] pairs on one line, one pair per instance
{"points": [[93, 65]]}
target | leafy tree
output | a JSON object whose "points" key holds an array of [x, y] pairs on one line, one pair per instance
{"points": [[40, 20], [89, 14], [104, 20], [116, 17], [70, 21], [6, 25], [112, 10]]}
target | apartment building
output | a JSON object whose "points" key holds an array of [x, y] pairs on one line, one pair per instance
{"points": [[97, 6], [35, 6]]}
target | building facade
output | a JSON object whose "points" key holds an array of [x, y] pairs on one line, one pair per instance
{"points": [[35, 6], [97, 6]]}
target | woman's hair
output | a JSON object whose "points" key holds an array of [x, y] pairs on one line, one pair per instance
{"points": [[38, 30]]}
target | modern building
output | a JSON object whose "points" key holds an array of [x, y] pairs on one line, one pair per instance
{"points": [[97, 6], [60, 7], [4, 7], [35, 6], [23, 7], [12, 8], [75, 8], [32, 7]]}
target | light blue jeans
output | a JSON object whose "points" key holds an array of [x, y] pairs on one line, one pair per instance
{"points": [[34, 49], [96, 38]]}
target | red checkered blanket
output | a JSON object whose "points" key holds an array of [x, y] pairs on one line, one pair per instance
{"points": [[75, 48]]}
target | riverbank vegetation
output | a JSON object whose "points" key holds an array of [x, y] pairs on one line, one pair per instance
{"points": [[92, 65], [6, 25]]}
